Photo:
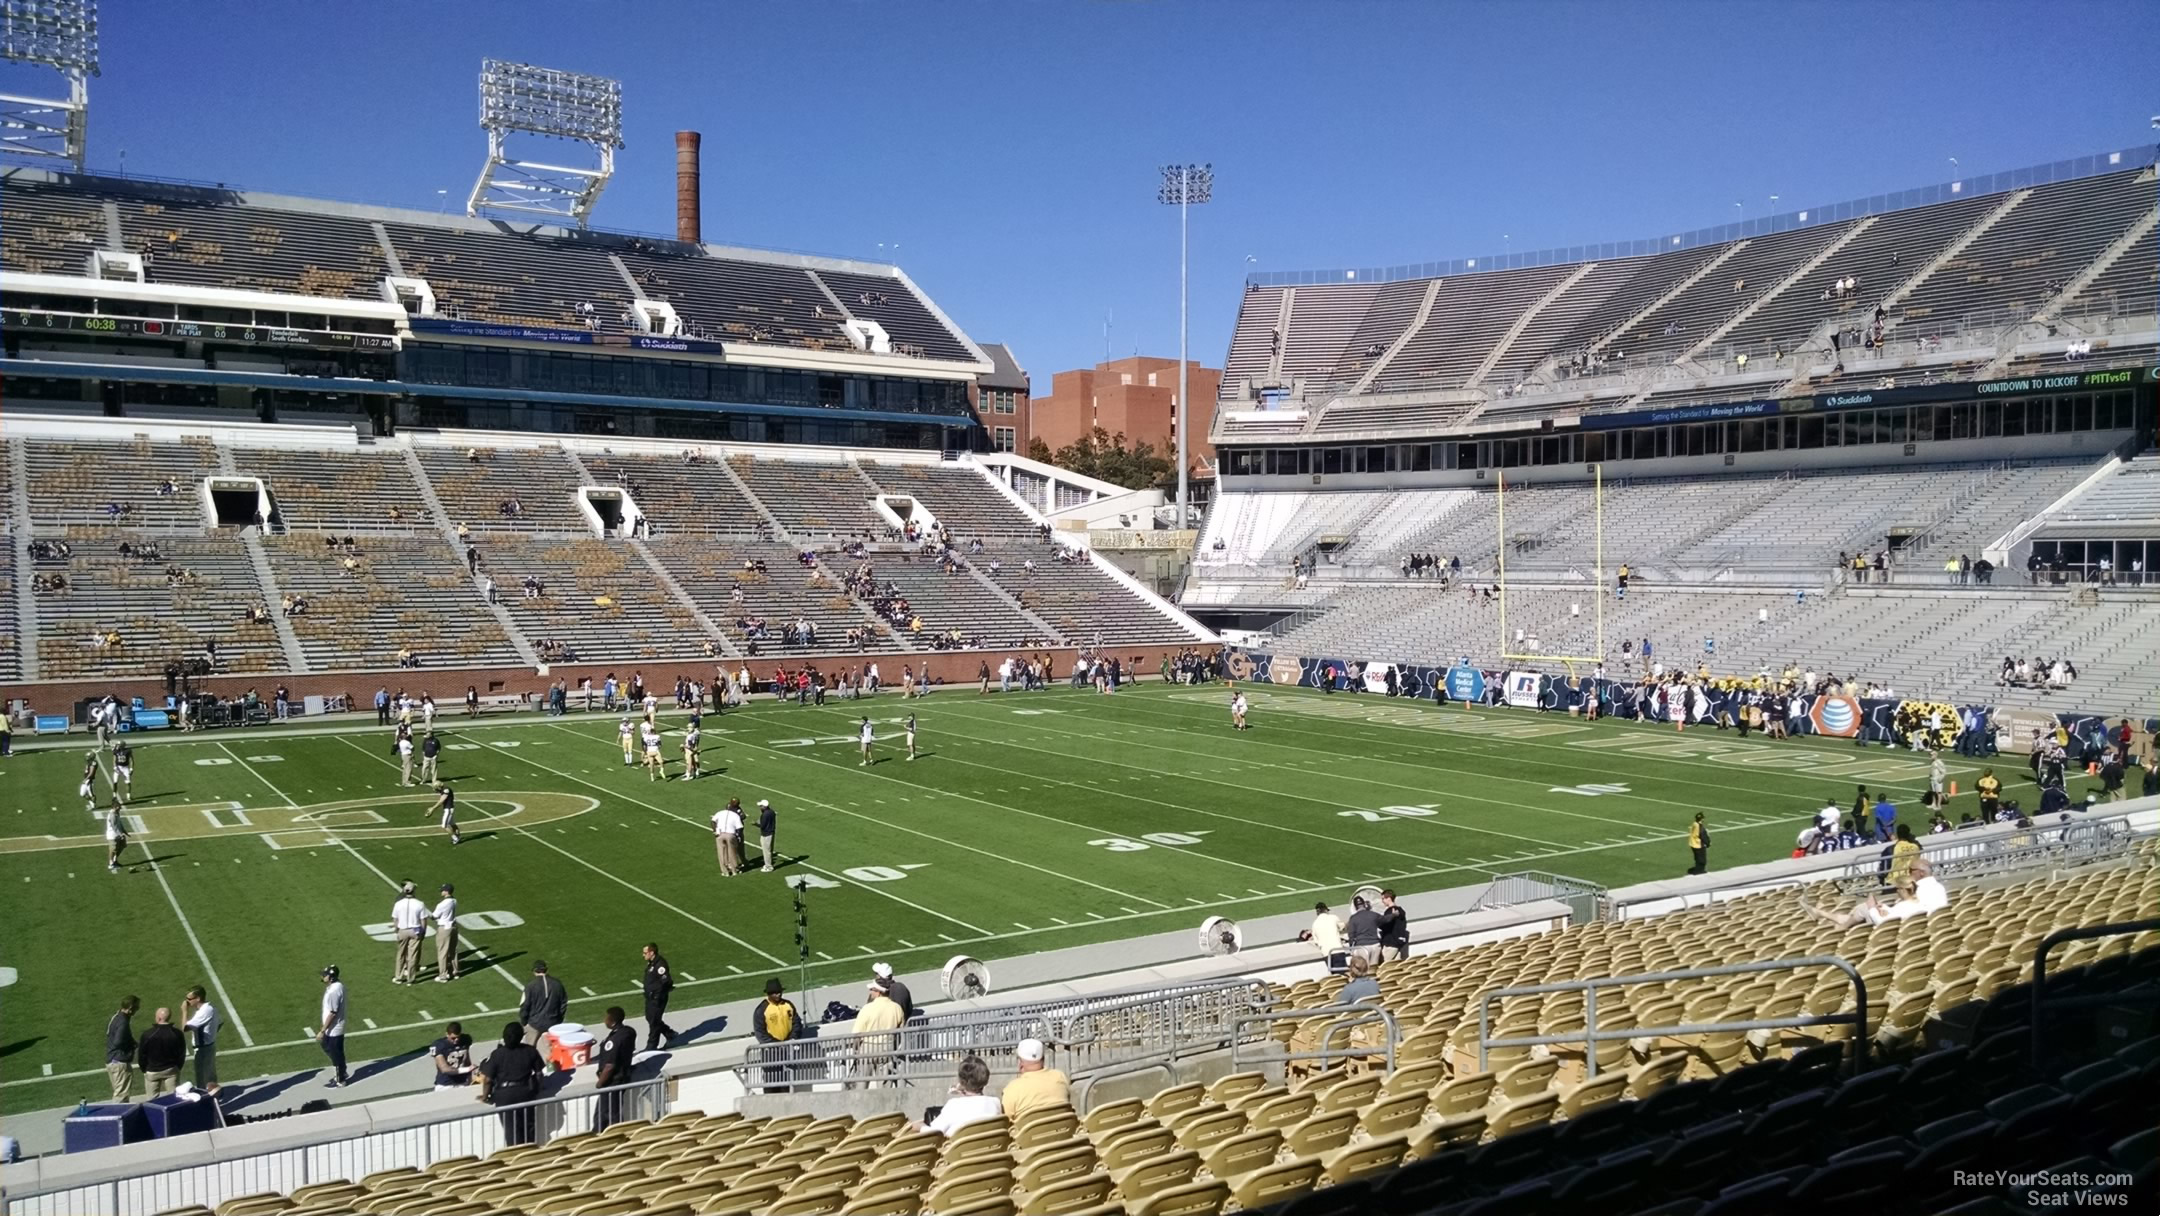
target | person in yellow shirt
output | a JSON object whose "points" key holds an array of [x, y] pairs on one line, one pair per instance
{"points": [[879, 1017], [1990, 794], [1037, 1087], [1903, 853]]}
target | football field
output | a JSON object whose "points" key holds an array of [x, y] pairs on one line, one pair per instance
{"points": [[1030, 821]]}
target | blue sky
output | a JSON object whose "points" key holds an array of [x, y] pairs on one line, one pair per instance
{"points": [[1009, 150]]}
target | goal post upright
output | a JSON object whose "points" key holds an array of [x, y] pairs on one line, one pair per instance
{"points": [[1597, 575]]}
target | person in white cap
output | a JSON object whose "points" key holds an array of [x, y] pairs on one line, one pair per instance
{"points": [[407, 915], [878, 1018], [1037, 1087], [883, 973]]}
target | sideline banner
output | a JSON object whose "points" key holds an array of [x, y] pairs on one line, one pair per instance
{"points": [[1522, 689]]}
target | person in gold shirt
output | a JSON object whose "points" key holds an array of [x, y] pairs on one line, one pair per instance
{"points": [[1990, 794], [879, 1017], [1037, 1087]]}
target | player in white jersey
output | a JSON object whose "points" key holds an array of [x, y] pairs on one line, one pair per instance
{"points": [[629, 752], [869, 736], [1237, 711], [404, 752], [911, 736], [655, 763], [427, 712], [115, 838], [690, 741]]}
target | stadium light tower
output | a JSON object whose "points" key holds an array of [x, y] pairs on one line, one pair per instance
{"points": [[1183, 186], [518, 98], [58, 34]]}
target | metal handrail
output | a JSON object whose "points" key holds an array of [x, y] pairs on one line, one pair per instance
{"points": [[2040, 1000], [1590, 1035], [2077, 843], [1082, 1032], [346, 1159], [1343, 1017]]}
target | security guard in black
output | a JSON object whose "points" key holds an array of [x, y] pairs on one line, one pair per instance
{"points": [[659, 982]]}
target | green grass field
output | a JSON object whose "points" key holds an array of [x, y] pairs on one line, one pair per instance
{"points": [[1031, 821]]}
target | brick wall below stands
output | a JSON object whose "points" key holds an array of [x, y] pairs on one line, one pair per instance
{"points": [[447, 684]]}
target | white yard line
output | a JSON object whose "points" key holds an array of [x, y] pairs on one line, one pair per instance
{"points": [[899, 827], [543, 841], [224, 998]]}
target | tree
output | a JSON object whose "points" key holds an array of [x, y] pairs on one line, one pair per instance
{"points": [[1107, 457], [1039, 451]]}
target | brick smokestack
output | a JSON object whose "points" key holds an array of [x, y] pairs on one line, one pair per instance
{"points": [[687, 219]]}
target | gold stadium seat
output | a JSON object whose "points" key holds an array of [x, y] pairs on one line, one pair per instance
{"points": [[254, 1205], [1205, 1198], [1131, 1148], [899, 1182], [1072, 1194], [1463, 1095], [967, 1188], [1387, 1115], [1045, 1128], [845, 1177], [1176, 1098], [884, 1203], [1524, 1079], [1592, 1092], [813, 1203], [1323, 1132], [1227, 1089], [1051, 1167], [1354, 1161], [1516, 1114], [1159, 1172], [1277, 1183], [1283, 1112], [1447, 1133], [741, 1201], [1113, 1114], [1241, 1155]]}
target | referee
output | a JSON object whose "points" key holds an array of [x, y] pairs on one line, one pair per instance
{"points": [[659, 983]]}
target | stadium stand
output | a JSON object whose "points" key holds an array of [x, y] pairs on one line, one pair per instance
{"points": [[123, 484], [401, 595], [740, 300], [354, 539], [1716, 1122], [1961, 265], [196, 237], [812, 500], [594, 604], [903, 315], [712, 575], [133, 601], [44, 230], [506, 489], [515, 279], [680, 495], [334, 491]]}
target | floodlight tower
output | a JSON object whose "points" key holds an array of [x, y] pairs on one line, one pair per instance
{"points": [[58, 34], [518, 98], [1183, 186]]}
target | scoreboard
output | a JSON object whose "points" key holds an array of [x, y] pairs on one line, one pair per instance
{"points": [[181, 331]]}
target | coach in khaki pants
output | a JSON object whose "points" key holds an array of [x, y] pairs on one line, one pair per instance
{"points": [[446, 936], [120, 1049], [409, 916]]}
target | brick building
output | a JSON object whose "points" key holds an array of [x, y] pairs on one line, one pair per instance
{"points": [[1136, 396], [1000, 398]]}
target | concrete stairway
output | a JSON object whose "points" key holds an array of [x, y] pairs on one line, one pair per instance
{"points": [[441, 517]]}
